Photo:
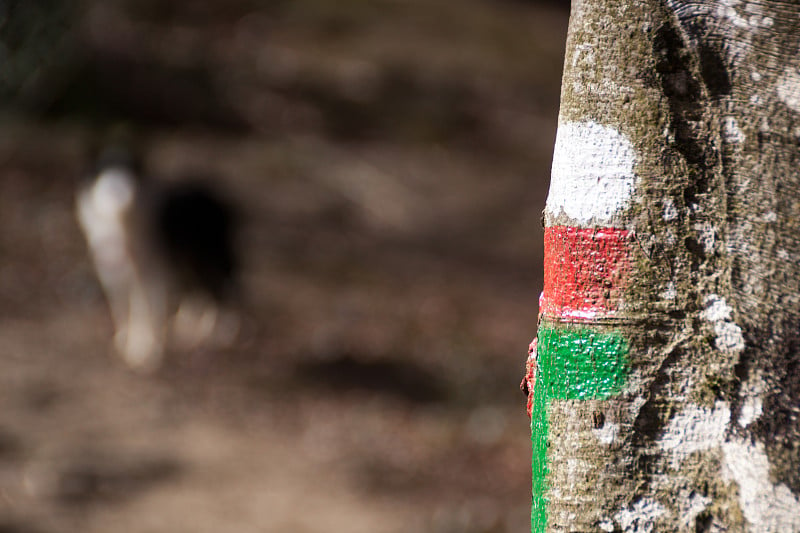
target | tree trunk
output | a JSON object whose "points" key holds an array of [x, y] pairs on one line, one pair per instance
{"points": [[666, 379]]}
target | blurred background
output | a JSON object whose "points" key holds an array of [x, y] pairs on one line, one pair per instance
{"points": [[390, 159]]}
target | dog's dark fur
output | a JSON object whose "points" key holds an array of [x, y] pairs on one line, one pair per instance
{"points": [[164, 255]]}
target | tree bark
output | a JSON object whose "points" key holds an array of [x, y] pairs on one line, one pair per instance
{"points": [[665, 379]]}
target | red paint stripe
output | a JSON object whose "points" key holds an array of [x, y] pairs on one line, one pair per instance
{"points": [[585, 271]]}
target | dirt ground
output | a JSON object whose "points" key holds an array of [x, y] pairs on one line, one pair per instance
{"points": [[391, 161]]}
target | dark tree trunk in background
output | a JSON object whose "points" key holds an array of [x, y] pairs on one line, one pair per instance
{"points": [[666, 385]]}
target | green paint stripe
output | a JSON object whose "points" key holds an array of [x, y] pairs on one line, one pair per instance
{"points": [[580, 362], [539, 431], [575, 362]]}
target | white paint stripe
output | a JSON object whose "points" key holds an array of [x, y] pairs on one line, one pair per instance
{"points": [[592, 176]]}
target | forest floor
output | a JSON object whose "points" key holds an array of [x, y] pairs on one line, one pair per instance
{"points": [[391, 161]]}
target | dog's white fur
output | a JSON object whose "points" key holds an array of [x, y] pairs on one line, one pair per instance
{"points": [[109, 214], [113, 213]]}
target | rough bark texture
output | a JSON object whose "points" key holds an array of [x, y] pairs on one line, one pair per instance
{"points": [[679, 151]]}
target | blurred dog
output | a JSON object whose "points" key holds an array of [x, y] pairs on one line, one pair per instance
{"points": [[165, 257]]}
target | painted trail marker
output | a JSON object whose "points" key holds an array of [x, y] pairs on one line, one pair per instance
{"points": [[579, 354], [592, 177], [584, 272]]}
